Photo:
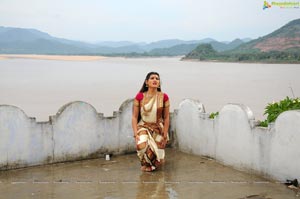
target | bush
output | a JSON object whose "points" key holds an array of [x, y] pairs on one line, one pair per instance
{"points": [[213, 115], [274, 109]]}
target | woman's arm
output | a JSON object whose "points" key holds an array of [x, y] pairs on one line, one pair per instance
{"points": [[166, 122], [135, 114]]}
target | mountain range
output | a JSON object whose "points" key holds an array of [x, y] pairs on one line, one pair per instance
{"points": [[32, 41], [282, 45]]}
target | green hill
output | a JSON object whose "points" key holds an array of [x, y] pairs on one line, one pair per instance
{"points": [[202, 52]]}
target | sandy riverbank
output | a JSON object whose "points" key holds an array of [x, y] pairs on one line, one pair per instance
{"points": [[52, 57]]}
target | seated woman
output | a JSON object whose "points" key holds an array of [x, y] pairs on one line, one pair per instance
{"points": [[150, 122]]}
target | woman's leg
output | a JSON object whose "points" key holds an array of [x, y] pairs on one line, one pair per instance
{"points": [[142, 140], [146, 155]]}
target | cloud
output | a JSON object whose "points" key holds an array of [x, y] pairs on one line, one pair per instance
{"points": [[141, 20]]}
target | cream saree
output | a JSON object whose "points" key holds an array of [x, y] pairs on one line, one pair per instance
{"points": [[150, 130]]}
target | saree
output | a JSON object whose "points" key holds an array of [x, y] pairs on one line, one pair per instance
{"points": [[150, 127]]}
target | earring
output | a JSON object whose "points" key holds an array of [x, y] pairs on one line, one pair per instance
{"points": [[147, 85], [158, 86]]}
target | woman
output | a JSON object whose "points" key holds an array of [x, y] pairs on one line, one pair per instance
{"points": [[150, 122]]}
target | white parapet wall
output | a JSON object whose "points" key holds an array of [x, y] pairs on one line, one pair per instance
{"points": [[22, 141], [232, 138], [79, 132], [76, 132]]}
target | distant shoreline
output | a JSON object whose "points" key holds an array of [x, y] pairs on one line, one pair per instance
{"points": [[239, 62], [98, 57], [52, 57]]}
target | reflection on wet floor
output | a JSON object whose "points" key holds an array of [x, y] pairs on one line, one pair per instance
{"points": [[183, 176]]}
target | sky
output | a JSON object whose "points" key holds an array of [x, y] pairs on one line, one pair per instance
{"points": [[146, 20]]}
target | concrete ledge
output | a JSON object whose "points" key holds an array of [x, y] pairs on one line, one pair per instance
{"points": [[76, 132], [79, 132], [284, 149], [233, 138], [23, 142]]}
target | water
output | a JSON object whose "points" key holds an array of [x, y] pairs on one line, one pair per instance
{"points": [[182, 176], [41, 87]]}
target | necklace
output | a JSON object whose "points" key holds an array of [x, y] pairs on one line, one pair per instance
{"points": [[149, 96]]}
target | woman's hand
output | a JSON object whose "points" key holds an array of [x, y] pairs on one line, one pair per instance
{"points": [[164, 142], [137, 139]]}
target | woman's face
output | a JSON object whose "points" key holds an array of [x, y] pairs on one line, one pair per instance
{"points": [[153, 81]]}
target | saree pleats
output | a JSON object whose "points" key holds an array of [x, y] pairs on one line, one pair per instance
{"points": [[150, 132]]}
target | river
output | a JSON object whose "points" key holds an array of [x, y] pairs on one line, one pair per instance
{"points": [[41, 87]]}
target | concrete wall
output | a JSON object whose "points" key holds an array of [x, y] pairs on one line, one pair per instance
{"points": [[233, 139], [76, 132]]}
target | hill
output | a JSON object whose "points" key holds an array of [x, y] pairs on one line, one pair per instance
{"points": [[183, 49], [202, 52], [221, 46], [282, 45], [286, 38], [21, 40]]}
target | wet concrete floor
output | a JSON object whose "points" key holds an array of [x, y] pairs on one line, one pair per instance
{"points": [[183, 176]]}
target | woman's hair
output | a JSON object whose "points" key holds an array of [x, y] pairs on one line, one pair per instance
{"points": [[144, 87]]}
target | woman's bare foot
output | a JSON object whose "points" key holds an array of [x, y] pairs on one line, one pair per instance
{"points": [[157, 163], [148, 169]]}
